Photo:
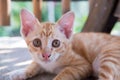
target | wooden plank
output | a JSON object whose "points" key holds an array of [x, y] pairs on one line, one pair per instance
{"points": [[49, 0], [65, 6], [37, 9], [111, 19], [117, 12], [4, 12], [99, 16], [91, 4]]}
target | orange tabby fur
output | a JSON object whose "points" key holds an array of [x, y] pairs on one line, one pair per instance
{"points": [[102, 51], [77, 56], [69, 65]]}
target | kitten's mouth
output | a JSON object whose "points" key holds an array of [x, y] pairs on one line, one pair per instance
{"points": [[46, 60]]}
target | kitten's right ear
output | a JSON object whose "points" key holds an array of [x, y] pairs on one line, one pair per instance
{"points": [[28, 21]]}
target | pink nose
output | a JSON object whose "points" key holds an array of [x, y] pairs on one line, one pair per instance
{"points": [[46, 56]]}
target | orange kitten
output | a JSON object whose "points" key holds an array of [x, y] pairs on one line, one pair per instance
{"points": [[55, 50]]}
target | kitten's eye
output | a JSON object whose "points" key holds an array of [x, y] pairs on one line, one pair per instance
{"points": [[37, 42], [56, 43]]}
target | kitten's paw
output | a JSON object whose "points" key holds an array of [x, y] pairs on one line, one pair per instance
{"points": [[18, 75]]}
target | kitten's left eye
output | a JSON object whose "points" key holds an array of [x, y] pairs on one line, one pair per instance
{"points": [[56, 43], [37, 42]]}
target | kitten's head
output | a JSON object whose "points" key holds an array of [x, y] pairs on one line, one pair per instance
{"points": [[46, 41]]}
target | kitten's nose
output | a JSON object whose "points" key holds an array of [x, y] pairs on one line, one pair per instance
{"points": [[46, 56]]}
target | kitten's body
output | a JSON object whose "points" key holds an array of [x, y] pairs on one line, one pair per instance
{"points": [[102, 51], [76, 57], [93, 44]]}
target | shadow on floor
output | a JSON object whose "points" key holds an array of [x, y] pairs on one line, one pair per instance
{"points": [[12, 59]]}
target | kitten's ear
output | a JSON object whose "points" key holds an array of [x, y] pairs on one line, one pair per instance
{"points": [[28, 21], [65, 24]]}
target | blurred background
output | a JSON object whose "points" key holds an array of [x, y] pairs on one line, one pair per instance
{"points": [[80, 8], [14, 54]]}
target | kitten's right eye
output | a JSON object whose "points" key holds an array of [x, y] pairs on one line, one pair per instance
{"points": [[37, 42]]}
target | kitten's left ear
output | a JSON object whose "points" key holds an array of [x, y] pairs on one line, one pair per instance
{"points": [[65, 24]]}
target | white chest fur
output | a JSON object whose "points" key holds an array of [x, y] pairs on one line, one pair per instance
{"points": [[50, 67]]}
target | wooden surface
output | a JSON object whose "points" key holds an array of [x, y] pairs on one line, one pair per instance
{"points": [[49, 0], [117, 12], [91, 4], [37, 9], [111, 21], [99, 16], [65, 6], [4, 12]]}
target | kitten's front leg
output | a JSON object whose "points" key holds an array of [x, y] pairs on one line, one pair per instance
{"points": [[75, 72], [23, 74]]}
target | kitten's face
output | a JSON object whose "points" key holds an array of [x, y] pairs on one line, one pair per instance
{"points": [[46, 41]]}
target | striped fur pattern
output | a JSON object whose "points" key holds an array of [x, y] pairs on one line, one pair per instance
{"points": [[76, 57], [102, 51]]}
